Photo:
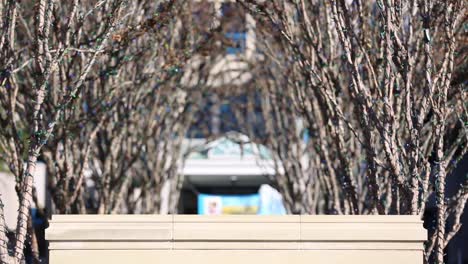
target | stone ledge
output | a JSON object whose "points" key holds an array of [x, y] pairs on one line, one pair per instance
{"points": [[87, 236]]}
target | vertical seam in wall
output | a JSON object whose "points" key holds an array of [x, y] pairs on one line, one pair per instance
{"points": [[172, 233], [300, 232]]}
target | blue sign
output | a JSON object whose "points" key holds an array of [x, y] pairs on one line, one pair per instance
{"points": [[267, 201], [209, 204]]}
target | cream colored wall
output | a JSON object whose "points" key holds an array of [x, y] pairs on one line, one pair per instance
{"points": [[235, 239], [10, 198]]}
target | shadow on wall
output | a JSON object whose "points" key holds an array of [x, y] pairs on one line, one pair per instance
{"points": [[457, 250]]}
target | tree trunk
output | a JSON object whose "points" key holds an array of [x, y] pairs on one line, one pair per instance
{"points": [[4, 256], [25, 205]]}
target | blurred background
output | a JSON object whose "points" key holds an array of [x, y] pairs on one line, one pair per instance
{"points": [[235, 107]]}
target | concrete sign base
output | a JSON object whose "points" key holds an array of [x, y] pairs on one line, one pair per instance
{"points": [[235, 239]]}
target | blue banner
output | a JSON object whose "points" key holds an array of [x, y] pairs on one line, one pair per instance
{"points": [[267, 201], [209, 204]]}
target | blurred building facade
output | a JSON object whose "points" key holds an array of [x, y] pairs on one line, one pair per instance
{"points": [[228, 166]]}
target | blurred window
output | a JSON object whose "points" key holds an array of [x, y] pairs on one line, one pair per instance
{"points": [[233, 21]]}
